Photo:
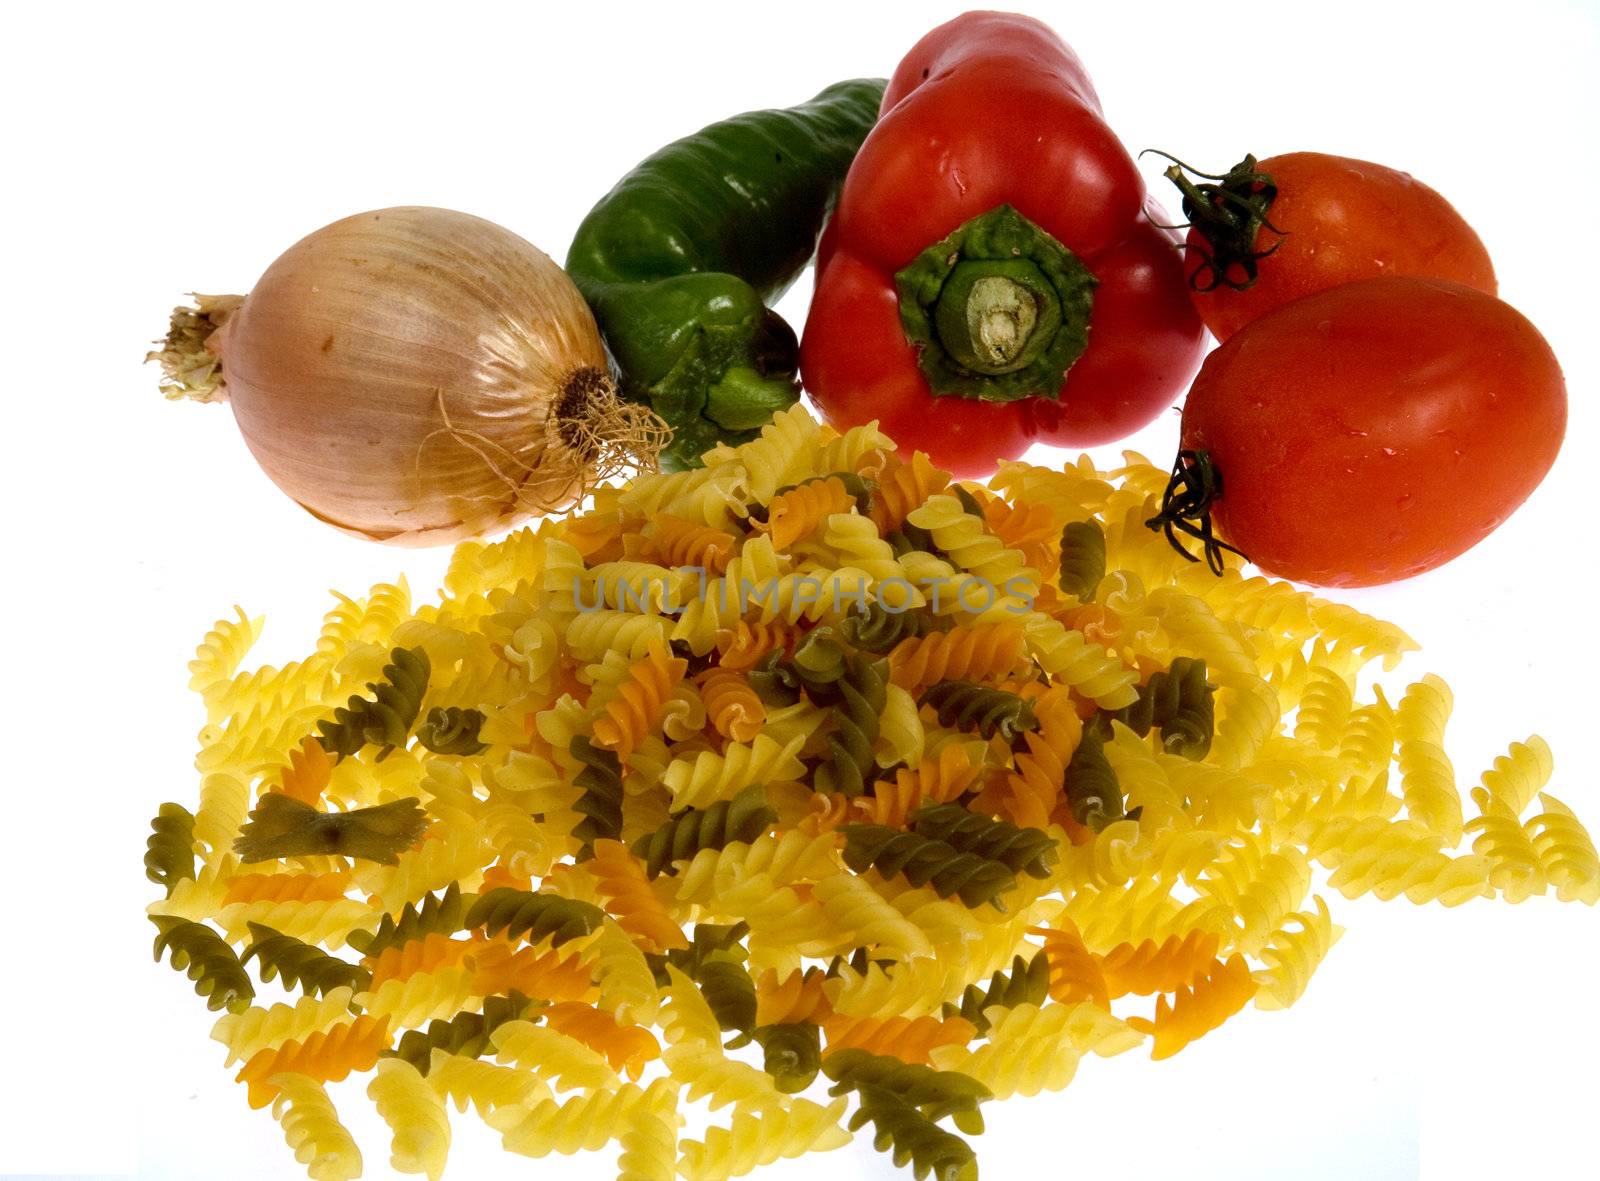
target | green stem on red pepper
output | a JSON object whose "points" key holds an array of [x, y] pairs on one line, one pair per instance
{"points": [[998, 310]]}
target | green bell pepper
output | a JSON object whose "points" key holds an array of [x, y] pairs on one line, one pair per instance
{"points": [[681, 260]]}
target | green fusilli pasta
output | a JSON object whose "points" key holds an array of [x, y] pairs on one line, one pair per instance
{"points": [[296, 964], [441, 913], [923, 861], [937, 1094], [819, 661], [1021, 850], [1177, 701], [452, 730], [775, 680], [987, 710], [536, 917], [169, 853], [912, 1138], [742, 818], [791, 1052], [1083, 558], [466, 1034], [1093, 794], [878, 630], [211, 964], [863, 693], [1028, 983], [385, 718], [600, 782]]}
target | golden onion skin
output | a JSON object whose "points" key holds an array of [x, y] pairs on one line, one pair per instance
{"points": [[396, 373]]}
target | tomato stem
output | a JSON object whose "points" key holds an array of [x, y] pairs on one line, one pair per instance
{"points": [[1227, 210], [1186, 508]]}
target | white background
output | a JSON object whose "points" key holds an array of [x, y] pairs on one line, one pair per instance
{"points": [[152, 150]]}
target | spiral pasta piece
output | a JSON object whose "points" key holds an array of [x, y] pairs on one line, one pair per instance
{"points": [[969, 544], [517, 913], [552, 975], [286, 887], [311, 1126], [222, 651], [674, 541], [1075, 973], [1514, 866], [1033, 1048], [1038, 776], [1294, 953], [794, 996], [1217, 994], [650, 1141], [636, 708], [938, 779], [255, 1029], [1073, 661], [1027, 983], [1150, 967], [482, 1085], [731, 705], [1516, 777], [416, 1116], [625, 886], [209, 961], [169, 851], [1177, 701], [709, 777], [982, 653], [308, 774], [983, 710], [786, 446], [627, 1048], [754, 1139], [743, 645], [464, 1036], [740, 819], [925, 861], [431, 953], [1083, 558], [1565, 851], [1324, 708], [385, 718], [1031, 528], [326, 1056], [904, 485], [582, 1123], [800, 512]]}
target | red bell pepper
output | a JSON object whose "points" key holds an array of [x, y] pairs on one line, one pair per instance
{"points": [[995, 274]]}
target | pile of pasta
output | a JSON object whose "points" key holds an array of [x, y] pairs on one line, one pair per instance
{"points": [[812, 788]]}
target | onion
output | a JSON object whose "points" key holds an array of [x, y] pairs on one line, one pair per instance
{"points": [[414, 376]]}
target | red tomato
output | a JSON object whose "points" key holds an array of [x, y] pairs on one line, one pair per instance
{"points": [[1341, 220], [1377, 429]]}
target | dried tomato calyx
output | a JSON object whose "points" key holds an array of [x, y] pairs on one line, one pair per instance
{"points": [[1228, 210], [1186, 508]]}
